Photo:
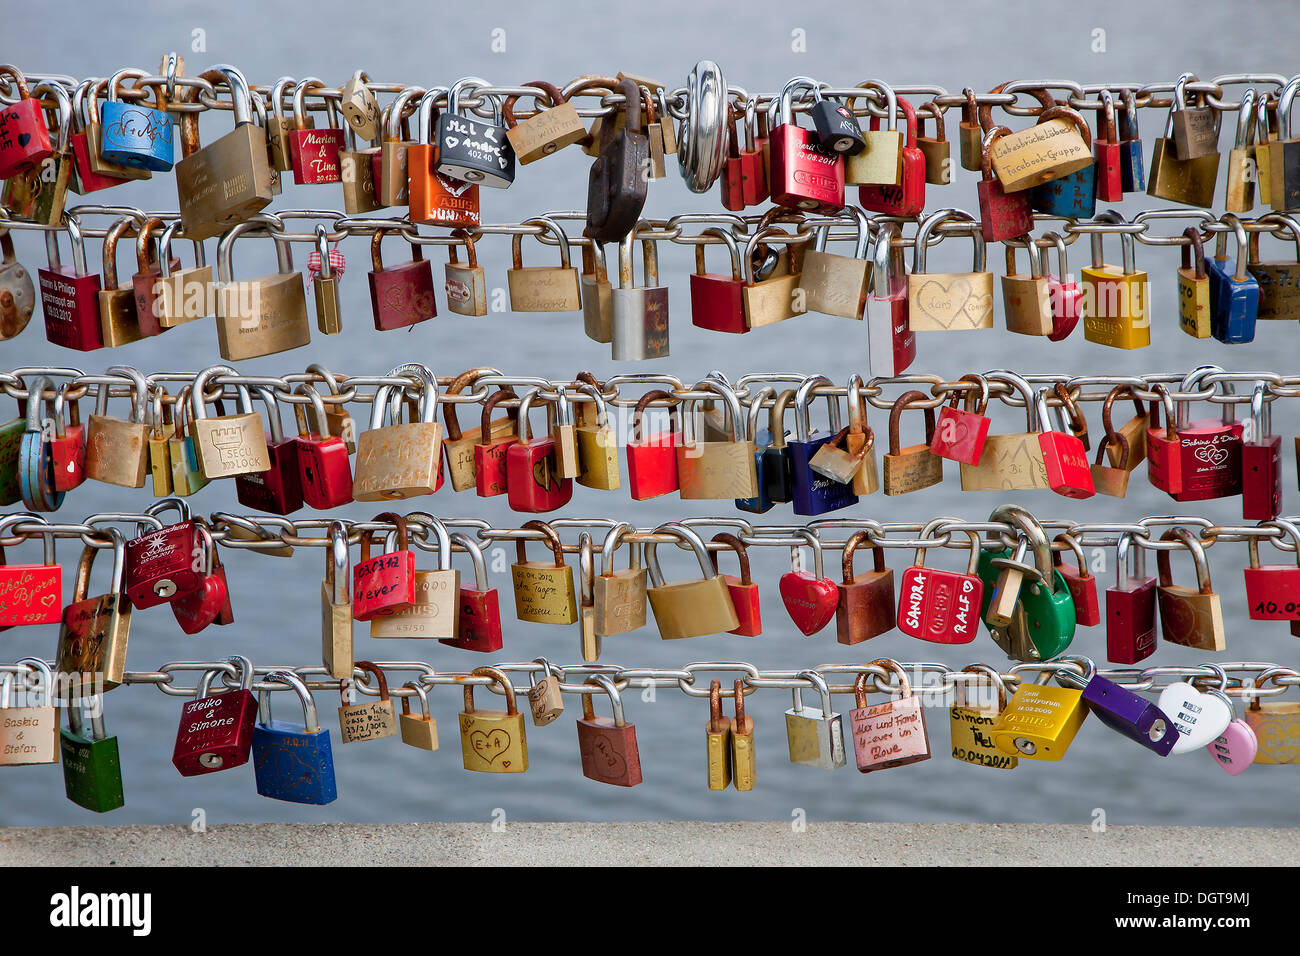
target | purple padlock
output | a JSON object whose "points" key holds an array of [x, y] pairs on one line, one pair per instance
{"points": [[1120, 709]]}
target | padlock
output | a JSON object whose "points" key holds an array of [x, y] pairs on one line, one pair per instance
{"points": [[400, 460], [880, 161], [1261, 463], [866, 602], [597, 294], [1234, 294], [815, 734], [716, 469], [92, 769], [545, 698], [261, 316], [717, 301], [1274, 724], [533, 480], [944, 302], [1064, 456], [548, 130], [1279, 280], [891, 734], [1063, 292], [1054, 147], [607, 745], [170, 294], [402, 295], [24, 137], [231, 444], [850, 455], [279, 489], [135, 135], [314, 152], [1133, 431], [1239, 181], [119, 321], [278, 127], [84, 143], [617, 183], [69, 294], [479, 625], [435, 611], [652, 459], [116, 449], [693, 607], [11, 437], [562, 428], [731, 180], [743, 591], [29, 732], [1283, 190], [1074, 195], [227, 181], [936, 149], [388, 167], [417, 730], [160, 563], [1108, 152], [494, 439], [35, 453], [915, 467], [1164, 445], [324, 466], [209, 602], [292, 762], [834, 284], [969, 133], [1111, 479], [30, 593], [597, 444], [774, 467], [942, 607], [145, 293], [325, 287], [1048, 623], [68, 446], [434, 196], [186, 477], [803, 175], [459, 445], [94, 133], [812, 492], [774, 298], [1194, 309], [718, 740], [891, 343], [471, 149], [493, 741], [639, 324], [385, 584], [216, 730], [371, 721], [94, 630], [1010, 460], [1122, 710], [971, 722], [543, 288], [1195, 123], [960, 433], [1027, 298], [906, 196], [1210, 450], [544, 592], [1271, 593], [1132, 171], [1003, 215], [39, 192], [1080, 581], [1187, 181], [465, 285], [810, 597], [357, 168], [837, 128], [1192, 617], [336, 604], [1040, 721], [619, 597], [753, 157]]}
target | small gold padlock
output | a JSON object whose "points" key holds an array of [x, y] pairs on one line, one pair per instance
{"points": [[418, 730], [493, 741], [367, 721], [545, 699], [543, 589]]}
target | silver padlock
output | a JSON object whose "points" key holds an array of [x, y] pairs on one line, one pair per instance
{"points": [[815, 734], [640, 321]]}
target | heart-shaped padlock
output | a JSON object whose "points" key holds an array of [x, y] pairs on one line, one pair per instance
{"points": [[809, 597], [1235, 748], [1200, 716], [199, 608]]}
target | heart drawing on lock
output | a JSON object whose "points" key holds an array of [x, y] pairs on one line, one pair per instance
{"points": [[979, 308], [542, 473], [609, 764], [810, 601], [957, 291], [489, 746], [1235, 748], [1199, 717], [24, 139], [1211, 455]]}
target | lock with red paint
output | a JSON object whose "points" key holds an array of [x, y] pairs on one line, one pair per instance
{"points": [[384, 584], [803, 175], [533, 482]]}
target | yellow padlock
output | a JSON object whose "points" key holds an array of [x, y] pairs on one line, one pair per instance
{"points": [[1116, 309]]}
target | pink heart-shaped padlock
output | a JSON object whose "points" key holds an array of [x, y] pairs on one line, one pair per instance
{"points": [[199, 608], [1235, 748], [810, 600]]}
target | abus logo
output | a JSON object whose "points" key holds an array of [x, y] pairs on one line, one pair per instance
{"points": [[815, 180], [77, 909]]}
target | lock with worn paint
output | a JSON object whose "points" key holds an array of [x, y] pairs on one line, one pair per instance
{"points": [[479, 624], [891, 734], [865, 607], [435, 612], [1276, 724], [385, 584], [1234, 294], [1192, 617], [1003, 215], [608, 745], [493, 741], [434, 196], [1073, 195], [133, 134], [961, 432], [534, 483], [292, 762], [92, 769], [471, 149], [401, 295], [891, 343], [939, 606], [279, 489], [1194, 309]]}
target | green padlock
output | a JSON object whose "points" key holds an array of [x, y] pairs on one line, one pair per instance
{"points": [[1044, 622], [92, 773]]}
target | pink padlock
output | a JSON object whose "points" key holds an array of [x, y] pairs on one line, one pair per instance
{"points": [[891, 734]]}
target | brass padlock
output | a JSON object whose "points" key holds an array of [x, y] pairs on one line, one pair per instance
{"points": [[261, 316], [588, 638], [1026, 298], [545, 698], [597, 443], [716, 469], [543, 589], [949, 301], [619, 597], [231, 444], [367, 721], [336, 605], [915, 467], [94, 632], [1276, 724], [493, 741], [718, 740], [436, 611], [117, 450], [547, 130], [1192, 617], [399, 460], [1011, 461], [691, 608], [459, 444], [118, 320], [833, 284], [418, 730], [773, 299], [1039, 721], [543, 288]]}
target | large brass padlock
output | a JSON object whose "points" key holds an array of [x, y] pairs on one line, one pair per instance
{"points": [[231, 444], [399, 460], [716, 469], [543, 589], [436, 611], [1039, 721], [691, 608], [117, 450], [94, 631], [619, 597], [493, 741]]}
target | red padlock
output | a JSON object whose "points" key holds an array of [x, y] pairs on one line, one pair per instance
{"points": [[942, 607], [1273, 590], [718, 301], [278, 490], [810, 597], [210, 602], [533, 482], [324, 466], [891, 343], [216, 731], [743, 590], [490, 449], [1164, 448], [1106, 151], [24, 138], [1064, 456], [84, 178], [314, 153], [30, 593], [160, 564], [1082, 583], [384, 584], [400, 296], [479, 627], [1130, 607], [802, 174], [907, 196], [731, 182], [652, 460], [1003, 215], [1261, 464], [1063, 292], [70, 295], [68, 449], [434, 198], [754, 157], [1210, 450], [960, 433]]}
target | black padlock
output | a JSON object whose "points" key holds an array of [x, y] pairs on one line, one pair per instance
{"points": [[471, 149], [616, 189], [836, 126]]}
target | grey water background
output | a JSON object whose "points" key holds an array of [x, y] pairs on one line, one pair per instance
{"points": [[276, 601]]}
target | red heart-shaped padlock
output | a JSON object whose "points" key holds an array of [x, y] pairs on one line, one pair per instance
{"points": [[810, 600], [197, 609]]}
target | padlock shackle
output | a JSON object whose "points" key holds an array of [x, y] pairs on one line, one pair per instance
{"points": [[887, 664], [549, 535], [312, 725], [241, 97], [895, 416], [498, 677], [931, 222], [1034, 533], [823, 689], [742, 554], [442, 539], [692, 539], [475, 552], [804, 397], [813, 542], [860, 539], [1197, 551], [338, 560]]}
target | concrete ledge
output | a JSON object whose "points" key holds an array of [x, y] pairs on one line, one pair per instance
{"points": [[642, 844]]}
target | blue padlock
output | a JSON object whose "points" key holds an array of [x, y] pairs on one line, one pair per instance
{"points": [[135, 135], [1234, 293], [814, 494], [762, 502], [292, 762], [1132, 172], [1075, 195], [36, 455]]}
